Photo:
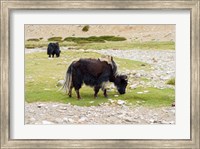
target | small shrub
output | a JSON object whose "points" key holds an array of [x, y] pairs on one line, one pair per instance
{"points": [[95, 39], [55, 39], [33, 39], [41, 38], [70, 39], [83, 39], [112, 38], [91, 39], [171, 81], [85, 28]]}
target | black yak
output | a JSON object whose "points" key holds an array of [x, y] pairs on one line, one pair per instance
{"points": [[53, 49], [93, 72]]}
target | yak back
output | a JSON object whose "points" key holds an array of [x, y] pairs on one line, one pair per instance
{"points": [[92, 71]]}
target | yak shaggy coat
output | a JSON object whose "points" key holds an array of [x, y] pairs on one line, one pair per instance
{"points": [[93, 72], [53, 49]]}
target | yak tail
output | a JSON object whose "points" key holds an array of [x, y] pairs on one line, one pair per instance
{"points": [[114, 66], [68, 79]]}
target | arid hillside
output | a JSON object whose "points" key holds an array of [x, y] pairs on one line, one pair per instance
{"points": [[130, 32]]}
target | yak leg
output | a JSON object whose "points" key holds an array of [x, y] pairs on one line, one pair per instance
{"points": [[96, 90], [70, 91], [103, 88], [105, 93], [78, 94]]}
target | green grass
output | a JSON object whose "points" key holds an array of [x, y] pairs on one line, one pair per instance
{"points": [[154, 98], [98, 44], [171, 81], [124, 45], [44, 44], [42, 75]]}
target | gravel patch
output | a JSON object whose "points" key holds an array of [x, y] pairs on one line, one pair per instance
{"points": [[58, 113], [162, 66]]}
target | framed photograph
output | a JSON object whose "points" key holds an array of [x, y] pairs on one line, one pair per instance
{"points": [[100, 74]]}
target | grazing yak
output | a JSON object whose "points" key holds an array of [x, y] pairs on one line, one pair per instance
{"points": [[53, 49], [93, 72]]}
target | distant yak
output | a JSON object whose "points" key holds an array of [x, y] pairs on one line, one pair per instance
{"points": [[94, 73], [53, 49]]}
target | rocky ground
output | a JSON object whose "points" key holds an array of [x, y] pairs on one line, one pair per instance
{"points": [[162, 69], [110, 113], [162, 66]]}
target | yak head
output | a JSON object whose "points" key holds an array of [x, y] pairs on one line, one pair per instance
{"points": [[121, 82]]}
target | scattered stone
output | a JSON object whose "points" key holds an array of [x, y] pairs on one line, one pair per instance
{"points": [[133, 86], [54, 106], [173, 104], [137, 75], [32, 119], [171, 122], [154, 60], [47, 122], [116, 95], [138, 102], [151, 120], [40, 105], [60, 83], [164, 122], [66, 119], [63, 108], [128, 119], [139, 92], [82, 119], [58, 120], [146, 91], [111, 101], [121, 102]]}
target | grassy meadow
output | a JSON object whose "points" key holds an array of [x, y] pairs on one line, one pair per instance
{"points": [[42, 75]]}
